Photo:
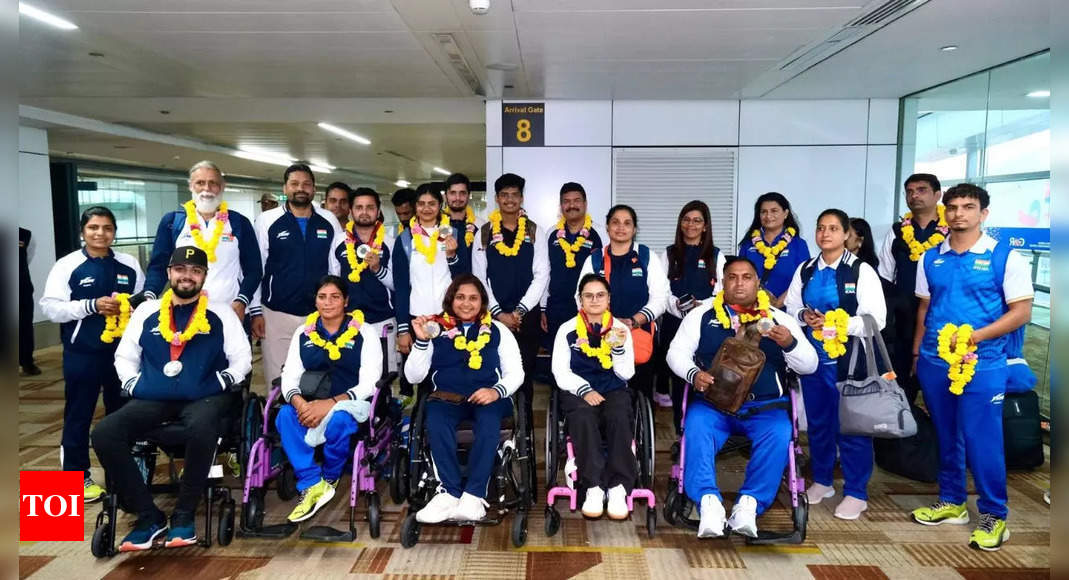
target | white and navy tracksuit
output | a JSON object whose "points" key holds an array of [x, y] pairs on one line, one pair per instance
{"points": [[354, 374], [464, 251], [516, 284], [700, 280], [578, 374], [448, 370], [419, 286], [200, 397], [778, 279], [558, 302], [74, 284], [237, 270], [852, 285], [637, 283], [707, 428], [372, 295], [972, 288]]}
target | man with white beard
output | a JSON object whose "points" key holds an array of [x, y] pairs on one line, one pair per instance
{"points": [[226, 236]]}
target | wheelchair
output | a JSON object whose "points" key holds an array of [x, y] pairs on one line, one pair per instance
{"points": [[678, 507], [559, 452], [371, 446], [169, 438], [511, 486]]}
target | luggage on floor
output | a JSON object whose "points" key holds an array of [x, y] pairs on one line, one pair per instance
{"points": [[1021, 433], [915, 457]]}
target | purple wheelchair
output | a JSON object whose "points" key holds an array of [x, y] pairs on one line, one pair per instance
{"points": [[678, 507]]}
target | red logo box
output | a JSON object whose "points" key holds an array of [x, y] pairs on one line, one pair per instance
{"points": [[51, 506]]}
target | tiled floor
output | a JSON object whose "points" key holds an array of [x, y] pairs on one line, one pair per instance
{"points": [[883, 544]]}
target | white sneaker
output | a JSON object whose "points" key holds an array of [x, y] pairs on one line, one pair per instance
{"points": [[743, 518], [439, 509], [594, 504], [850, 508], [818, 492], [712, 517], [469, 509], [617, 507]]}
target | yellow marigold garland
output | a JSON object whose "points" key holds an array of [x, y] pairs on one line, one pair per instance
{"points": [[764, 303], [582, 335], [571, 249], [198, 323], [334, 347], [833, 335], [962, 359], [221, 218], [771, 254], [474, 347], [429, 249], [917, 249], [469, 227], [356, 265], [521, 233], [115, 325]]}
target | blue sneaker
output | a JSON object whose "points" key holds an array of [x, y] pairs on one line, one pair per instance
{"points": [[145, 533], [183, 530]]}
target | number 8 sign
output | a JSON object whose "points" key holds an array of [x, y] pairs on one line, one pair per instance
{"points": [[523, 124]]}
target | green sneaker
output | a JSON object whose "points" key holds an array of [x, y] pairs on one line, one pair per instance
{"points": [[234, 465], [92, 490], [989, 535], [311, 500], [942, 512]]}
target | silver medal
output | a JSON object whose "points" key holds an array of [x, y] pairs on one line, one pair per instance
{"points": [[172, 368], [362, 251], [764, 325], [446, 231], [433, 329]]}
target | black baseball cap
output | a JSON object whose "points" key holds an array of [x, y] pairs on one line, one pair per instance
{"points": [[189, 255]]}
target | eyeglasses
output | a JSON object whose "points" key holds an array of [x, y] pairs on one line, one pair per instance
{"points": [[696, 221], [594, 296]]}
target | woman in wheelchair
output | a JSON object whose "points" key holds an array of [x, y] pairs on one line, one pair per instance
{"points": [[593, 358], [330, 372], [474, 364], [740, 309]]}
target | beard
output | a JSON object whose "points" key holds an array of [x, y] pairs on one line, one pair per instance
{"points": [[365, 222], [206, 202], [187, 292], [298, 202]]}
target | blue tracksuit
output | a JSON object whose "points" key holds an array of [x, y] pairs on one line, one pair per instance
{"points": [[968, 288], [369, 295], [69, 298], [296, 257], [779, 278]]}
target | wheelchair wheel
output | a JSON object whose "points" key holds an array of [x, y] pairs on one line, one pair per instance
{"points": [[287, 483], [644, 440], [552, 521], [801, 514], [399, 476], [252, 424], [226, 522], [552, 455], [671, 502], [651, 521], [103, 544], [409, 531], [252, 513], [519, 528], [374, 515]]}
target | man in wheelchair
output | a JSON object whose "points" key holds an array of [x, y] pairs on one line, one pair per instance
{"points": [[178, 360], [763, 417], [475, 365]]}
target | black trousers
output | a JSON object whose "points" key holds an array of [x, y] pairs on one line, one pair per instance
{"points": [[615, 465], [204, 420], [899, 337], [529, 339], [667, 381], [25, 327]]}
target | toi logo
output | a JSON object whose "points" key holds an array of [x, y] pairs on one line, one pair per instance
{"points": [[51, 506]]}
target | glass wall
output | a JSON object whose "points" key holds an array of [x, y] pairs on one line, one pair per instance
{"points": [[992, 128]]}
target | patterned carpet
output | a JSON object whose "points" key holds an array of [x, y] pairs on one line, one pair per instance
{"points": [[882, 544]]}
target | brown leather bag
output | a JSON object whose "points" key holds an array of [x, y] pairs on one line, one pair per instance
{"points": [[735, 368]]}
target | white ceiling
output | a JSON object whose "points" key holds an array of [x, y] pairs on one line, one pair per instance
{"points": [[234, 72]]}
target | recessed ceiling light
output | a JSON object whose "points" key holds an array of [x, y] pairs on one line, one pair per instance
{"points": [[96, 54], [442, 171], [401, 183], [133, 182], [322, 164], [262, 156], [343, 133], [948, 48], [1039, 94], [388, 111], [42, 16], [164, 112]]}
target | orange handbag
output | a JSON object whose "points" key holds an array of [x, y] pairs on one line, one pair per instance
{"points": [[641, 339]]}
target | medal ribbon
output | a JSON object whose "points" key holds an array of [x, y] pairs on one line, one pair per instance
{"points": [[176, 349]]}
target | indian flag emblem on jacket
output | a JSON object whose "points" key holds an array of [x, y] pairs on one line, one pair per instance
{"points": [[122, 279], [321, 234]]}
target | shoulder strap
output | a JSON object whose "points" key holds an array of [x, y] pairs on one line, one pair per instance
{"points": [[644, 256], [598, 261], [532, 231], [999, 256], [177, 223], [807, 272], [406, 241], [484, 233]]}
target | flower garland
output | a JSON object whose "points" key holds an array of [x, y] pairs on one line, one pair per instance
{"points": [[469, 227], [474, 347], [771, 254], [356, 266], [571, 249], [430, 248], [833, 335], [583, 340], [197, 323], [521, 233], [221, 218], [962, 359], [764, 303], [917, 249], [114, 325], [333, 348]]}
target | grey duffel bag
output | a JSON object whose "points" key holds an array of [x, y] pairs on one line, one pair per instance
{"points": [[874, 406]]}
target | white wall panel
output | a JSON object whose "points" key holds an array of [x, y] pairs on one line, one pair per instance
{"points": [[547, 168], [881, 189], [883, 121], [35, 208], [578, 123], [493, 123], [830, 122], [493, 171], [675, 123]]}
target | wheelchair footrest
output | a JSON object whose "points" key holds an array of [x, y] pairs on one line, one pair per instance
{"points": [[327, 534], [766, 538], [276, 531]]}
